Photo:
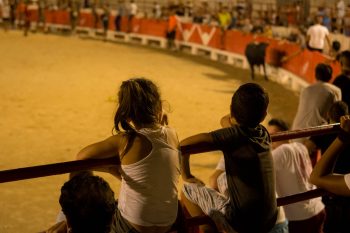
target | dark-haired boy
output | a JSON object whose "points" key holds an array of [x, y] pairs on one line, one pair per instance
{"points": [[251, 203], [88, 204]]}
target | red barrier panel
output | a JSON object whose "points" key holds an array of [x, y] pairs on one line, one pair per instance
{"points": [[49, 16], [62, 17], [302, 65], [33, 15], [153, 27], [86, 19]]}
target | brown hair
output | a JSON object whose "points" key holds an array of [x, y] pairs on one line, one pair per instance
{"points": [[140, 102]]}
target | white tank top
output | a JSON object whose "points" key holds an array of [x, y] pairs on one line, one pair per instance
{"points": [[148, 194]]}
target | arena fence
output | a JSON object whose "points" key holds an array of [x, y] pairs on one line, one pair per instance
{"points": [[199, 39], [189, 224]]}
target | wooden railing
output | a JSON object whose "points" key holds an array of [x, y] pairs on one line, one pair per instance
{"points": [[91, 164], [79, 165]]}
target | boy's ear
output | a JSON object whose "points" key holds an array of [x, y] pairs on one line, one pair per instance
{"points": [[264, 116]]}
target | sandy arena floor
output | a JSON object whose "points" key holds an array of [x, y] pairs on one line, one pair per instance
{"points": [[58, 95]]}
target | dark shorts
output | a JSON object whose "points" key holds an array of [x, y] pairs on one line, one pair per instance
{"points": [[314, 49], [171, 35], [121, 225]]}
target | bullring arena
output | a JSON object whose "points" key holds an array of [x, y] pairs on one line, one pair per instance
{"points": [[58, 94]]}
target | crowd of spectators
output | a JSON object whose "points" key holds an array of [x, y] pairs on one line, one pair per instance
{"points": [[239, 16]]}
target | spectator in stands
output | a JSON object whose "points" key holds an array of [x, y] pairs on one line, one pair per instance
{"points": [[131, 14], [341, 8], [247, 26], [293, 168], [27, 18], [224, 18], [157, 10], [316, 35], [346, 27], [335, 50], [323, 175], [258, 27], [327, 21], [171, 30], [121, 12], [343, 80], [147, 152], [42, 5], [105, 19], [89, 206], [74, 8], [251, 206], [5, 13], [234, 20], [337, 208], [316, 99]]}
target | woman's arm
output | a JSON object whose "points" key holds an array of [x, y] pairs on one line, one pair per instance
{"points": [[322, 175], [104, 149]]}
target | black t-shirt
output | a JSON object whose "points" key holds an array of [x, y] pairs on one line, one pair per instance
{"points": [[250, 177], [343, 82], [342, 166]]}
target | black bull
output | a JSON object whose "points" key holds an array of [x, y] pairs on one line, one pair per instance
{"points": [[255, 53]]}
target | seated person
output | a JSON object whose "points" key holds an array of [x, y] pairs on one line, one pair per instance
{"points": [[322, 175], [88, 203], [147, 160], [251, 202]]}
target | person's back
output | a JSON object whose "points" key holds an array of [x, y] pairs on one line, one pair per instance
{"points": [[316, 99], [317, 34], [343, 80], [147, 152], [148, 194], [250, 177], [251, 206], [293, 169]]}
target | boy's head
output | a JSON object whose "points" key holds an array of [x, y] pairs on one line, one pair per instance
{"points": [[338, 109], [345, 60], [88, 203], [276, 125], [336, 46], [249, 105], [323, 72]]}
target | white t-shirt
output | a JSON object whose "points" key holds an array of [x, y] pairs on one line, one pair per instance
{"points": [[133, 9], [314, 104], [5, 9], [317, 35], [341, 9], [293, 168]]}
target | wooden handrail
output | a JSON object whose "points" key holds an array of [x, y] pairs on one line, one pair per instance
{"points": [[79, 165], [54, 169], [300, 133]]}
